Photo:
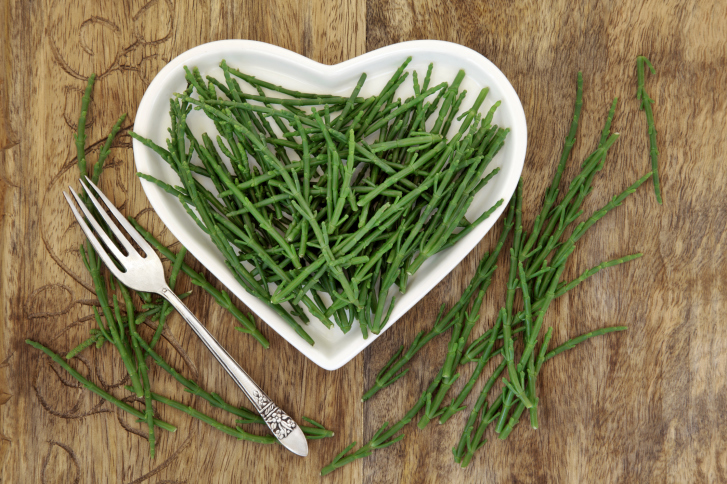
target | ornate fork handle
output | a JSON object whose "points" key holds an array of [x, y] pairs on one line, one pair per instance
{"points": [[279, 422]]}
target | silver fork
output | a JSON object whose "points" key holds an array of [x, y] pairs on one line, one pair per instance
{"points": [[147, 274]]}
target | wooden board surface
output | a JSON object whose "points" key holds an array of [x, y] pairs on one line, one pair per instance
{"points": [[647, 405]]}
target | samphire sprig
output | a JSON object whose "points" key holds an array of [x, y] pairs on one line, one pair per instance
{"points": [[536, 264], [119, 319], [324, 204], [645, 103]]}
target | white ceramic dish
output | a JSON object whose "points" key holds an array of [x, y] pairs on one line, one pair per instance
{"points": [[333, 349]]}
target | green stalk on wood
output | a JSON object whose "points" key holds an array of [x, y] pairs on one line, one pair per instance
{"points": [[645, 103]]}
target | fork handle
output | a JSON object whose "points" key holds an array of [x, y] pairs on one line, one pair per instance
{"points": [[283, 427]]}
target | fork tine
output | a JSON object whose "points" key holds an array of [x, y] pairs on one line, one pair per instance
{"points": [[100, 250], [143, 244], [110, 245], [110, 223]]}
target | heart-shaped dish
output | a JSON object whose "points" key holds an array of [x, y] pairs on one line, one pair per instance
{"points": [[333, 348]]}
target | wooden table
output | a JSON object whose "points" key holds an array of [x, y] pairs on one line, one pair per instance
{"points": [[647, 405]]}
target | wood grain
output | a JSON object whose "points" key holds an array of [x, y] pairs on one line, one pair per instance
{"points": [[642, 406]]}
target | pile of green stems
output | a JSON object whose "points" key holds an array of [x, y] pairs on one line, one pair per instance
{"points": [[536, 263], [329, 200], [119, 320]]}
